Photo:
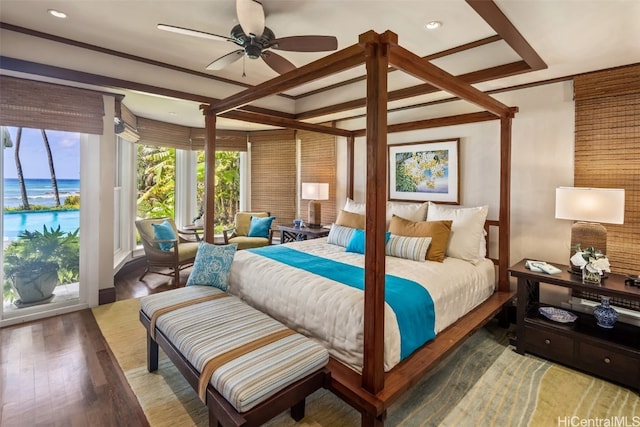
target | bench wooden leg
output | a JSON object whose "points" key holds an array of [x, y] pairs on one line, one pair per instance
{"points": [[297, 411], [152, 354]]}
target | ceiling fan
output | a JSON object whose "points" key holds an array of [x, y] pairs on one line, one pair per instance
{"points": [[258, 41]]}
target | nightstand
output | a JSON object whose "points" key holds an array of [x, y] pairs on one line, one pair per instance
{"points": [[292, 234], [613, 354]]}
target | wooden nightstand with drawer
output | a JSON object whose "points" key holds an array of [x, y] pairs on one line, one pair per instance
{"points": [[613, 354]]}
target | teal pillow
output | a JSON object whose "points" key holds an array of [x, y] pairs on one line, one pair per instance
{"points": [[164, 231], [356, 243], [260, 227], [212, 264]]}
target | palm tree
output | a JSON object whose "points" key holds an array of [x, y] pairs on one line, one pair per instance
{"points": [[52, 170], [23, 188]]}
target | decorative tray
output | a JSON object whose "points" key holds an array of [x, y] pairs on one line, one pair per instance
{"points": [[557, 314]]}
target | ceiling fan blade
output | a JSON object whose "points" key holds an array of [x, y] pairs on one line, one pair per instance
{"points": [[195, 33], [305, 43], [250, 16], [225, 60], [277, 62]]}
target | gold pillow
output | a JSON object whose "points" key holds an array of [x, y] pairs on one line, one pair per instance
{"points": [[438, 231], [350, 219]]}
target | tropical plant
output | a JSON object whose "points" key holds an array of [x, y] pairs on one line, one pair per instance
{"points": [[51, 249], [156, 181]]}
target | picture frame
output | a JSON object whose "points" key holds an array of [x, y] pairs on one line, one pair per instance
{"points": [[425, 171]]}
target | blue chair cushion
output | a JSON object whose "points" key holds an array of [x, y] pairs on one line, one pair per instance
{"points": [[212, 264], [164, 231], [260, 227]]}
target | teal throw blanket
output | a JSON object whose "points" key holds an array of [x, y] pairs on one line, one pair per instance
{"points": [[411, 303]]}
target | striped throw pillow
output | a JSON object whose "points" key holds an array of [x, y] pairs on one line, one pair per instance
{"points": [[340, 235], [413, 248]]}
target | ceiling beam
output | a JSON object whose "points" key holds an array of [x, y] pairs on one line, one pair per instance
{"points": [[423, 89], [460, 119], [50, 71], [491, 13]]}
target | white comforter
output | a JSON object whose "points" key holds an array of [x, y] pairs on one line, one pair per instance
{"points": [[332, 313]]}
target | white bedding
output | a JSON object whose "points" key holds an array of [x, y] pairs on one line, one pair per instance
{"points": [[332, 313]]}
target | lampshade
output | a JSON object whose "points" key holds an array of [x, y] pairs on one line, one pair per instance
{"points": [[315, 191], [589, 207], [590, 204]]}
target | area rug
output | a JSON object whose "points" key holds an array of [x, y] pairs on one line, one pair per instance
{"points": [[483, 383]]}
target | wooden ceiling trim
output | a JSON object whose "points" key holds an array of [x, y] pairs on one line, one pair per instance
{"points": [[283, 122], [422, 89], [492, 15], [412, 64], [331, 64], [50, 71], [460, 119]]}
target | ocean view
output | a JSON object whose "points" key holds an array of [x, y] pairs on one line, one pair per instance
{"points": [[39, 192]]}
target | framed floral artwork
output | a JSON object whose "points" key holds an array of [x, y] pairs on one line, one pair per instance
{"points": [[424, 171]]}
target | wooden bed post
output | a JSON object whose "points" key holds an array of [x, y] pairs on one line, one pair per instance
{"points": [[350, 165], [209, 175], [504, 215], [377, 61]]}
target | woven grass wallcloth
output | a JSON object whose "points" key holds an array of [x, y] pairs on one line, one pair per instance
{"points": [[607, 151]]}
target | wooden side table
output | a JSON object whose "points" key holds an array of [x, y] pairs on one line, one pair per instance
{"points": [[292, 234], [613, 354]]}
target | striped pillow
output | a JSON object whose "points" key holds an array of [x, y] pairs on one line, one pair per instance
{"points": [[413, 248], [340, 235]]}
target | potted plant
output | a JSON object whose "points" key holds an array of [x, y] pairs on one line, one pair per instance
{"points": [[36, 262]]}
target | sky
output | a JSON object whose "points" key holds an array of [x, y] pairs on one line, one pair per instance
{"points": [[65, 148]]}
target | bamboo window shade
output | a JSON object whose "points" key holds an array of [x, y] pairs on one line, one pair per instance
{"points": [[318, 164], [607, 152], [273, 174], [130, 132], [154, 132], [41, 105]]}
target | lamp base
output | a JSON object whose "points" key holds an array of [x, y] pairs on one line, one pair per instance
{"points": [[588, 234], [314, 214]]}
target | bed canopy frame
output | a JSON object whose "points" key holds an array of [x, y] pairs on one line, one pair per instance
{"points": [[373, 391]]}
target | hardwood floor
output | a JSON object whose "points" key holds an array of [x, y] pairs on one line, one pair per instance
{"points": [[60, 372]]}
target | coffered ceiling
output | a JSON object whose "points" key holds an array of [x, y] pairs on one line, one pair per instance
{"points": [[116, 46]]}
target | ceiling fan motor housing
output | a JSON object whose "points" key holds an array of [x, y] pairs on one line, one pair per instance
{"points": [[253, 46]]}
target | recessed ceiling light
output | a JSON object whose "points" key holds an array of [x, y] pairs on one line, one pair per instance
{"points": [[173, 113], [432, 25], [57, 13]]}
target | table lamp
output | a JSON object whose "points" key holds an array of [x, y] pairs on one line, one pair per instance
{"points": [[589, 207], [314, 192]]}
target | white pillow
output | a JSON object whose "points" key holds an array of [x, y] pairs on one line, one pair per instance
{"points": [[467, 229], [410, 211], [355, 207]]}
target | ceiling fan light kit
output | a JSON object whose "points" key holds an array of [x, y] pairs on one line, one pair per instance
{"points": [[258, 41]]}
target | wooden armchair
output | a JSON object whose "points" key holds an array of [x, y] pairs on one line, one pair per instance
{"points": [[240, 232], [174, 254]]}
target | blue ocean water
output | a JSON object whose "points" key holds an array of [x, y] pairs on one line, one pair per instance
{"points": [[39, 192]]}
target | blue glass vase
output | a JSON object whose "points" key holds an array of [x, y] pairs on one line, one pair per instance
{"points": [[605, 315]]}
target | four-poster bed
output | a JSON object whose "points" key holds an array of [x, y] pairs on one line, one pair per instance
{"points": [[372, 391]]}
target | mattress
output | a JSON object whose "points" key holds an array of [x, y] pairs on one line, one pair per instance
{"points": [[333, 313]]}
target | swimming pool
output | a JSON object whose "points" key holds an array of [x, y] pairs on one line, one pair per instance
{"points": [[16, 222]]}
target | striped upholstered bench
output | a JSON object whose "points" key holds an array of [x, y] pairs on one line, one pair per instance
{"points": [[245, 366]]}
